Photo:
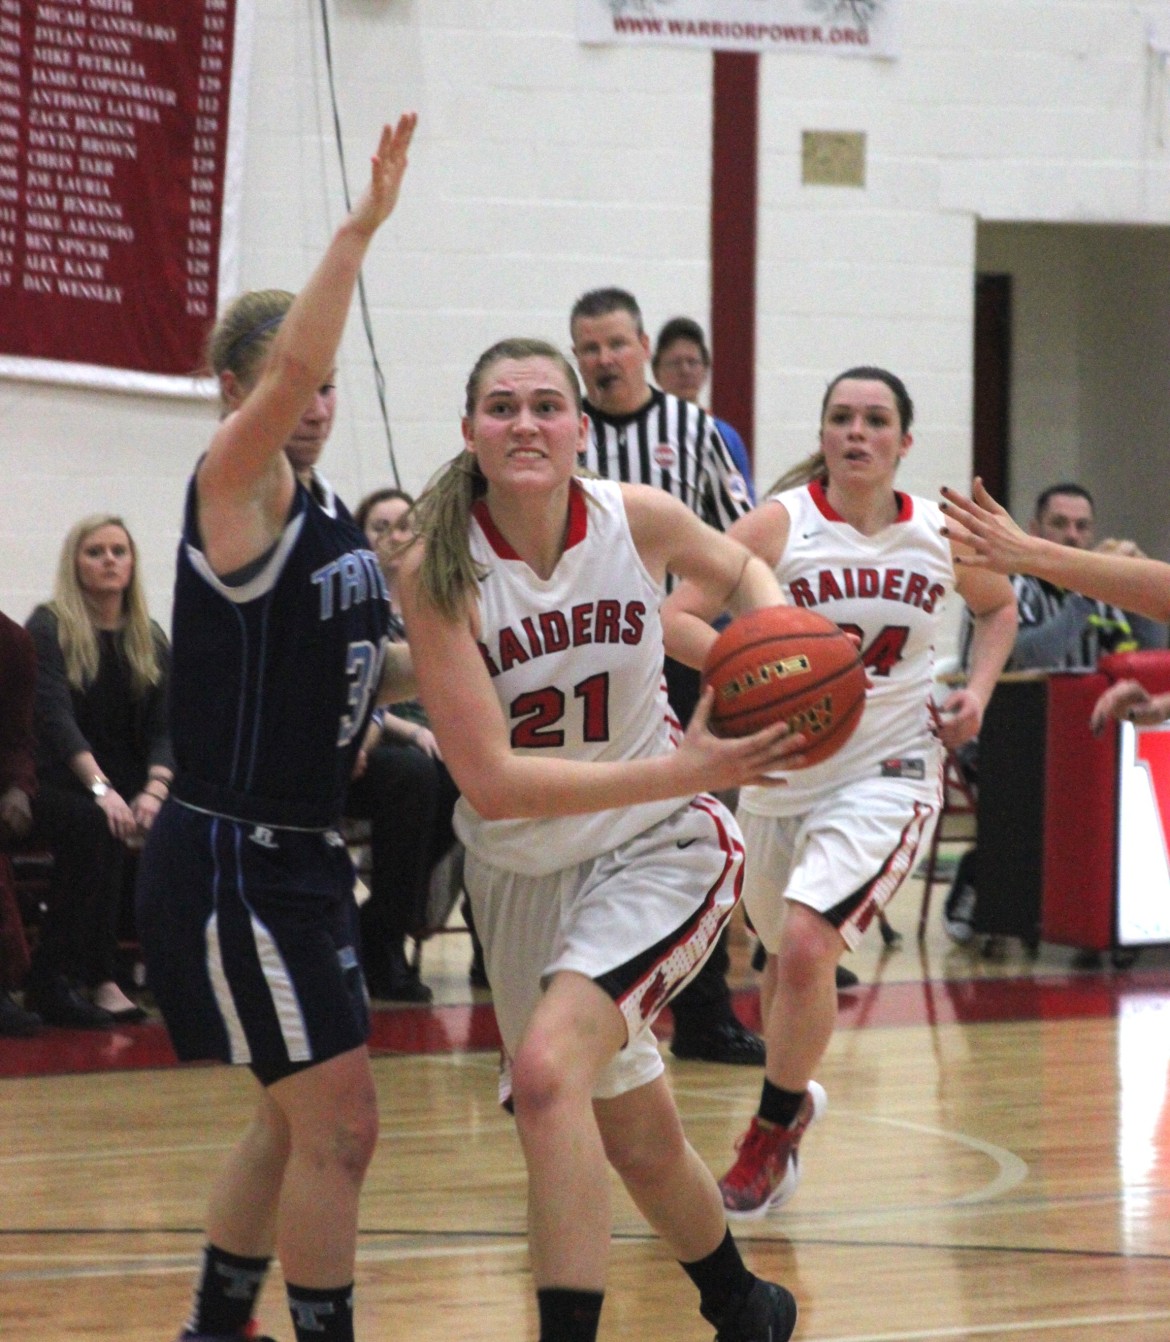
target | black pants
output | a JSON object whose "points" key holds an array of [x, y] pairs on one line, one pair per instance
{"points": [[409, 798], [706, 1000], [91, 871]]}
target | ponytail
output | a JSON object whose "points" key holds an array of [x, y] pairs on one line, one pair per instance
{"points": [[803, 473], [441, 518]]}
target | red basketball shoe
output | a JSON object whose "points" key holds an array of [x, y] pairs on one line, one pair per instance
{"points": [[767, 1166]]}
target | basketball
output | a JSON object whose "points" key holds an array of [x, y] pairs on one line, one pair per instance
{"points": [[785, 664]]}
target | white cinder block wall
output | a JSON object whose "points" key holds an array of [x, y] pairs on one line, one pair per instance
{"points": [[543, 168]]}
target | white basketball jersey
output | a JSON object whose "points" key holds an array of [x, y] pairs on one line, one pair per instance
{"points": [[891, 589], [576, 660]]}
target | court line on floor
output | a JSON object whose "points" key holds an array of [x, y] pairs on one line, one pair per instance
{"points": [[1011, 1170], [1013, 1329]]}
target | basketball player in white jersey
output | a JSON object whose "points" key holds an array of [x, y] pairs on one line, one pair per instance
{"points": [[825, 854], [599, 880]]}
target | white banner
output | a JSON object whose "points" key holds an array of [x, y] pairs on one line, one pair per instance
{"points": [[842, 27]]}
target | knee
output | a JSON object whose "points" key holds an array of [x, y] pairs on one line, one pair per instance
{"points": [[268, 1140], [809, 947], [344, 1137], [540, 1082], [356, 1133]]}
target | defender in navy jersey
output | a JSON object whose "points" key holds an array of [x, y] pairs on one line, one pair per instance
{"points": [[316, 601], [825, 854], [598, 879], [245, 897]]}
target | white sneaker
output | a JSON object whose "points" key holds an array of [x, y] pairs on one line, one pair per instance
{"points": [[959, 913]]}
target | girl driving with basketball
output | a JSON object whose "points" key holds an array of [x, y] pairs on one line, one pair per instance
{"points": [[598, 880], [826, 854]]}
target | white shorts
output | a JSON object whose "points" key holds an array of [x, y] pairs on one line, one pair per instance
{"points": [[860, 843], [638, 921]]}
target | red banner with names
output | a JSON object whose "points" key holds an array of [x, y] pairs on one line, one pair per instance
{"points": [[114, 121]]}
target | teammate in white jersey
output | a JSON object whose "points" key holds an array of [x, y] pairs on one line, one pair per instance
{"points": [[828, 852], [598, 879]]}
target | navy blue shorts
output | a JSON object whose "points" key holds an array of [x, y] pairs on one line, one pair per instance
{"points": [[250, 940]]}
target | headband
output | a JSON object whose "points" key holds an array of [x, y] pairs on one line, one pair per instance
{"points": [[245, 338]]}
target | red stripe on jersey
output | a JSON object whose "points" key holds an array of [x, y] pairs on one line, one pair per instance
{"points": [[577, 531], [894, 870], [817, 489], [679, 960]]}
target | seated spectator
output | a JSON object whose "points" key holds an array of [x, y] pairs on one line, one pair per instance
{"points": [[18, 785], [1059, 630], [104, 767], [403, 790], [681, 366]]}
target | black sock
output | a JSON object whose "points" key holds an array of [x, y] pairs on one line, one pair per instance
{"points": [[723, 1281], [568, 1316], [321, 1315], [779, 1106], [225, 1294]]}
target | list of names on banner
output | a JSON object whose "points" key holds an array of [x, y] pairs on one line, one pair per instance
{"points": [[113, 131]]}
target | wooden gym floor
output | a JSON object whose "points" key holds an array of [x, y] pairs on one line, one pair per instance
{"points": [[994, 1164]]}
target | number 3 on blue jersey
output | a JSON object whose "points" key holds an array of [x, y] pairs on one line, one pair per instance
{"points": [[363, 668]]}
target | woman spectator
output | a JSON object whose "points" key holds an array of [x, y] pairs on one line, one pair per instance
{"points": [[104, 764], [681, 365], [404, 790]]}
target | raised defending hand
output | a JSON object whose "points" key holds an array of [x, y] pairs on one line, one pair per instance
{"points": [[986, 529], [387, 169], [739, 761], [1127, 701]]}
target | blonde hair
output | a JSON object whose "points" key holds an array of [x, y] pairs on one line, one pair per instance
{"points": [[75, 627], [448, 575], [246, 328]]}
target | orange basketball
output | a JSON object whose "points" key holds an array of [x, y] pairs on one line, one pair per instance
{"points": [[782, 663]]}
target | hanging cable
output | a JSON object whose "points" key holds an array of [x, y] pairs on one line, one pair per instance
{"points": [[379, 378]]}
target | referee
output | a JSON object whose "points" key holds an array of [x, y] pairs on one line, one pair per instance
{"points": [[640, 435]]}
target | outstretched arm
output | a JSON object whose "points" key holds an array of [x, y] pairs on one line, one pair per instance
{"points": [[992, 540], [245, 482], [1127, 701]]}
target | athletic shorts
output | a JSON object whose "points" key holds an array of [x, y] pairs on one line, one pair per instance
{"points": [[853, 849], [250, 939], [638, 921]]}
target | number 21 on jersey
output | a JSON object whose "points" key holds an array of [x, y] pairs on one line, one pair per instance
{"points": [[538, 713]]}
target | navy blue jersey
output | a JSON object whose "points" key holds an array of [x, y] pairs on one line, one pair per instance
{"points": [[273, 676]]}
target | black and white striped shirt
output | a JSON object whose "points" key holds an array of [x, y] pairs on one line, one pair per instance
{"points": [[672, 445], [1065, 630]]}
